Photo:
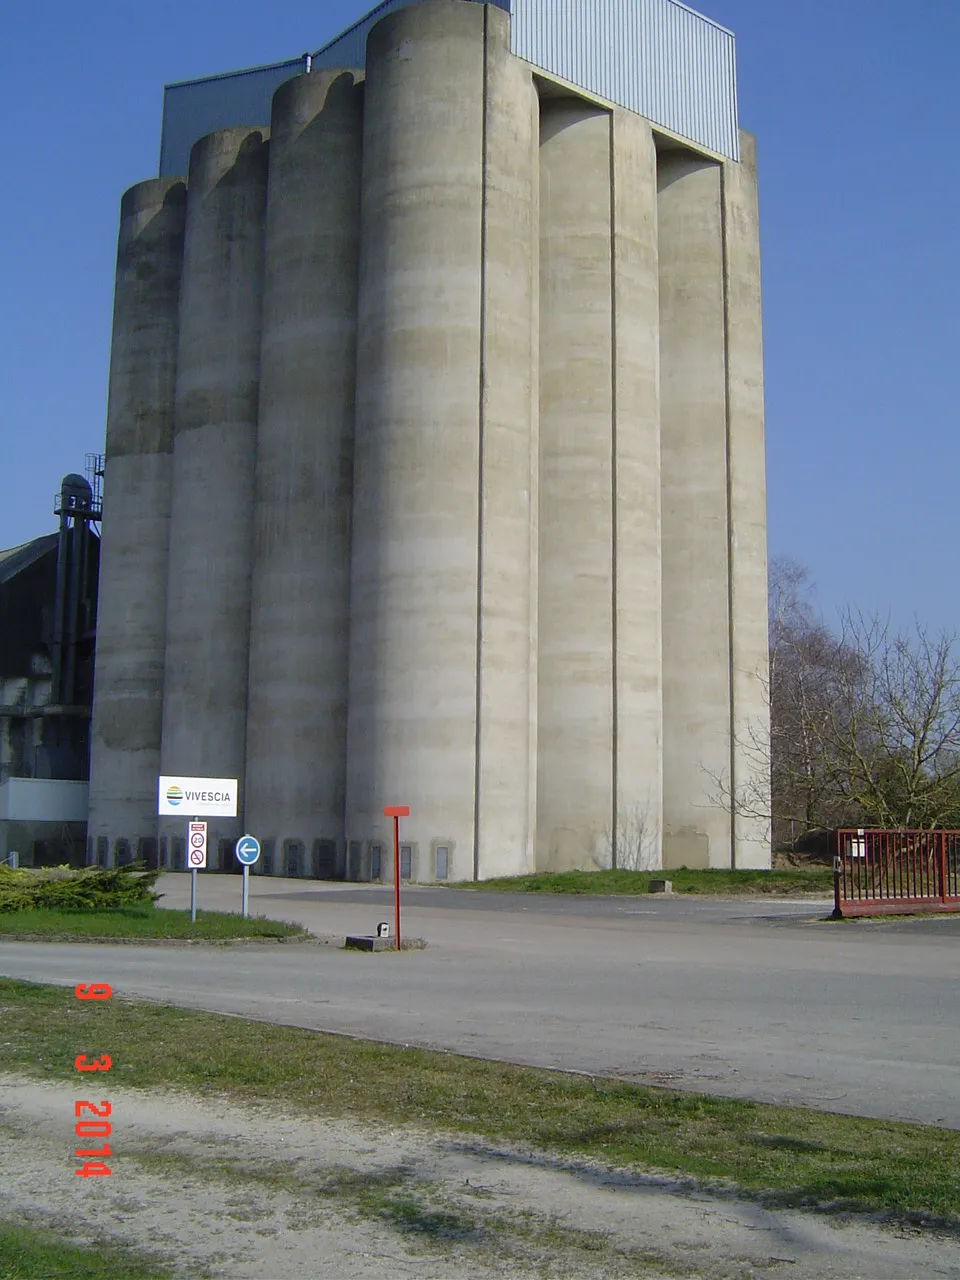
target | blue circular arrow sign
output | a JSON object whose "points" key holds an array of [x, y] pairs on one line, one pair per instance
{"points": [[248, 850]]}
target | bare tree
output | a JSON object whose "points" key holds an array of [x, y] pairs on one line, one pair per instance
{"points": [[893, 728], [635, 845], [864, 722]]}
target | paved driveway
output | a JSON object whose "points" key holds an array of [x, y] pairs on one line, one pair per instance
{"points": [[748, 999]]}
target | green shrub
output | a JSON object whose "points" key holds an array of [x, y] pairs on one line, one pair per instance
{"points": [[87, 889]]}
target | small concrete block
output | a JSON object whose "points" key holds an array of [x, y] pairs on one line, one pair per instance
{"points": [[367, 942], [660, 886]]}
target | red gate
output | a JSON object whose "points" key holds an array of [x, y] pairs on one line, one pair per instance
{"points": [[880, 872]]}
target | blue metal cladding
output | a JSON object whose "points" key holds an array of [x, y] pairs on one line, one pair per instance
{"points": [[655, 57], [658, 58]]}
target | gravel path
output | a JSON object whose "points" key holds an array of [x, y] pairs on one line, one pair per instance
{"points": [[253, 1193]]}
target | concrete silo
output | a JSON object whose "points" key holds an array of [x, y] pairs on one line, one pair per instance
{"points": [[297, 714], [214, 455], [467, 481], [444, 443], [131, 624]]}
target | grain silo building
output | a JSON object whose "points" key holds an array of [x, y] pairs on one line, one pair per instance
{"points": [[435, 468]]}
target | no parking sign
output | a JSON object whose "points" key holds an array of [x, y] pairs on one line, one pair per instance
{"points": [[197, 846]]}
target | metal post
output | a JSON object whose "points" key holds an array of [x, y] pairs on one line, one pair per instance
{"points": [[396, 879], [246, 889], [193, 893], [943, 868]]}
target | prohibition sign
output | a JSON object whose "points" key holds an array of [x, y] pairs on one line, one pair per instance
{"points": [[197, 845]]}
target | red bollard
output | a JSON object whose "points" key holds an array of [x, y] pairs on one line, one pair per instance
{"points": [[396, 812]]}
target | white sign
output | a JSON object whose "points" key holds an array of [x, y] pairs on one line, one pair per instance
{"points": [[197, 797], [197, 846]]}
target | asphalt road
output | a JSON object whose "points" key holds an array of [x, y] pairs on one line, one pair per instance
{"points": [[752, 999]]}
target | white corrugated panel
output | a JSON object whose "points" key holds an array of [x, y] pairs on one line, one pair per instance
{"points": [[195, 108], [656, 57]]}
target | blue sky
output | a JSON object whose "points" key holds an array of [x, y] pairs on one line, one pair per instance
{"points": [[856, 108]]}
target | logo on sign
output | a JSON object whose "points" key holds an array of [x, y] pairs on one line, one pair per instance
{"points": [[174, 796]]}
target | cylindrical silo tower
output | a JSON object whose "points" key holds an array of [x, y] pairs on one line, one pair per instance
{"points": [[436, 434], [575, 803], [299, 640], [749, 770], [505, 837], [131, 623], [599, 781], [694, 469], [208, 601], [638, 720]]}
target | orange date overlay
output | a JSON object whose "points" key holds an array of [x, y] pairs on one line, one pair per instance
{"points": [[93, 1158]]}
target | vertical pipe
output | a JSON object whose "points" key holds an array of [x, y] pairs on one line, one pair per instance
{"points": [[72, 628], [208, 605], [60, 609], [128, 674], [299, 641], [696, 605], [575, 801], [413, 624]]}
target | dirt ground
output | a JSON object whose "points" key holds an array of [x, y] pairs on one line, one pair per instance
{"points": [[253, 1193]]}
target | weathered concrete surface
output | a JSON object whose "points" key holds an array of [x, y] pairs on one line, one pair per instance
{"points": [[575, 687], [131, 623], [748, 510], [638, 744], [208, 599], [412, 708], [300, 606], [507, 603], [743, 999], [444, 370], [695, 569]]}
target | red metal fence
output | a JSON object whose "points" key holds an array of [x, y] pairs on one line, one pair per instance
{"points": [[888, 872]]}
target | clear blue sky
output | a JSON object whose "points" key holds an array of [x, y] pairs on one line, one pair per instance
{"points": [[856, 107]]}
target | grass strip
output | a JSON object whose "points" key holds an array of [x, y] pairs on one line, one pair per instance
{"points": [[141, 921], [795, 1156], [817, 880], [33, 1253]]}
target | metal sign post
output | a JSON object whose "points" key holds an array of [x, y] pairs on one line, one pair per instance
{"points": [[196, 860], [396, 812], [247, 851]]}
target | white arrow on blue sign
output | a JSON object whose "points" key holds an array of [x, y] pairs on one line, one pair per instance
{"points": [[248, 850]]}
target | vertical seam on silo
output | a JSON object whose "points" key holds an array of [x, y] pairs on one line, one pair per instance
{"points": [[481, 397], [725, 265], [614, 671]]}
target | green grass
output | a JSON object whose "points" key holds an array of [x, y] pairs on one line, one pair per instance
{"points": [[31, 1253], [140, 922], [725, 883], [791, 1155]]}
